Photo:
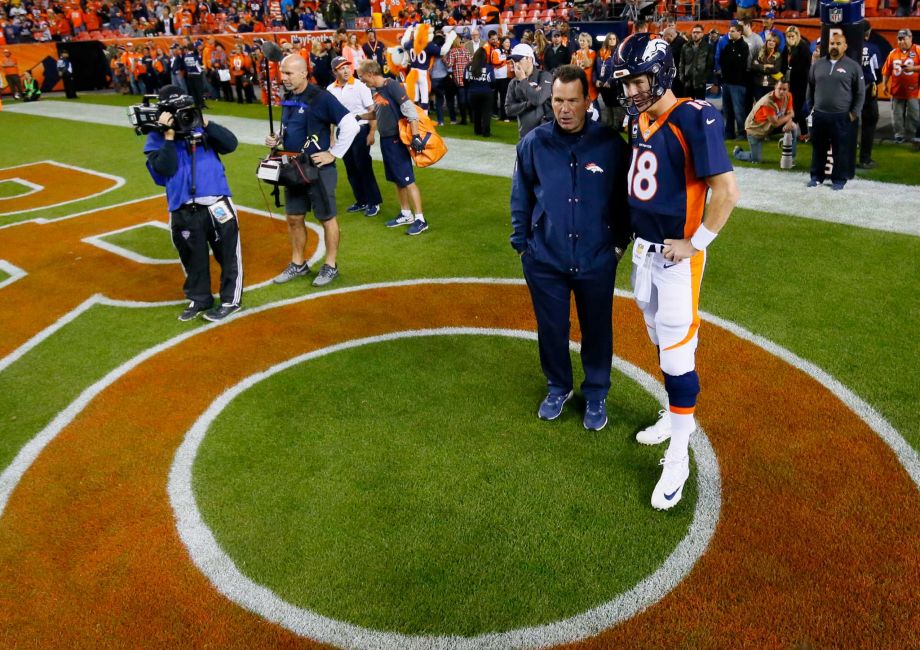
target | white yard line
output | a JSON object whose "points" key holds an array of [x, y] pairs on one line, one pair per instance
{"points": [[888, 207]]}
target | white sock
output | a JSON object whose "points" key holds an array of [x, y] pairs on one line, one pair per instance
{"points": [[681, 428], [406, 213], [419, 216]]}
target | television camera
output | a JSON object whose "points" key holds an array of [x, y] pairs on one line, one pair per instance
{"points": [[186, 116]]}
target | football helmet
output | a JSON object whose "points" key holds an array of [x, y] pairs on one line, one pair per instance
{"points": [[643, 54]]}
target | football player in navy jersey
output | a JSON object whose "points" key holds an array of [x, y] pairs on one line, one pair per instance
{"points": [[678, 158]]}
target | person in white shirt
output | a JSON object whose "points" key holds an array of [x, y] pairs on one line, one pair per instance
{"points": [[357, 100]]}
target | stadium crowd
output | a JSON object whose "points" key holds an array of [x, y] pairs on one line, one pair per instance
{"points": [[27, 21], [471, 78]]}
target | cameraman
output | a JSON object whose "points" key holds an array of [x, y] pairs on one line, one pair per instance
{"points": [[200, 210], [308, 115]]}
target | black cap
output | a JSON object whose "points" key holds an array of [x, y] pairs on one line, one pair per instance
{"points": [[169, 92]]}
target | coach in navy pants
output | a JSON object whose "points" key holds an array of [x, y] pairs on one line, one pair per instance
{"points": [[569, 223], [360, 169]]}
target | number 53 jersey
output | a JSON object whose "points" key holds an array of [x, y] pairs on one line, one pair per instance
{"points": [[671, 158]]}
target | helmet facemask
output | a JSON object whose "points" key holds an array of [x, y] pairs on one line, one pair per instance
{"points": [[642, 101]]}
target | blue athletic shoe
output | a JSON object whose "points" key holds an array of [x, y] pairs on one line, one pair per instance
{"points": [[400, 220], [813, 183], [372, 211], [551, 406], [838, 185], [418, 227], [356, 207], [596, 415]]}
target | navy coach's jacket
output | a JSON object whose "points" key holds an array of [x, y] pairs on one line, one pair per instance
{"points": [[568, 196]]}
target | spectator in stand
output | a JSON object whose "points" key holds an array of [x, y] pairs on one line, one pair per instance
{"points": [[836, 90], [530, 92], [733, 67], [900, 77], [374, 49], [771, 112], [349, 13], [557, 53], [308, 20], [746, 9], [457, 60], [767, 68], [332, 14], [10, 67], [869, 118], [798, 63], [30, 90], [479, 80], [696, 64]]}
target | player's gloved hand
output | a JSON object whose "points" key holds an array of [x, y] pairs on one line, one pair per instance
{"points": [[417, 145]]}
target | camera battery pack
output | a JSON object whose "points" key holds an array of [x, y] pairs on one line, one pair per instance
{"points": [[269, 170]]}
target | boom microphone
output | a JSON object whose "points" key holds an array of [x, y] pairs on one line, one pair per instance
{"points": [[271, 51]]}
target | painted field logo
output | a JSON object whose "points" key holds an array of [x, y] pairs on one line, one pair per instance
{"points": [[94, 502]]}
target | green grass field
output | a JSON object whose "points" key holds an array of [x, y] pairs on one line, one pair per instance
{"points": [[330, 486], [10, 189], [148, 241]]}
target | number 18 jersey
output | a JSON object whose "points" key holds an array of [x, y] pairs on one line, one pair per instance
{"points": [[671, 159]]}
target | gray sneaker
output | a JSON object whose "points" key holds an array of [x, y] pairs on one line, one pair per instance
{"points": [[326, 275], [292, 271]]}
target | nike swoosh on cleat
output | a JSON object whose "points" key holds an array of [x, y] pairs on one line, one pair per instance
{"points": [[668, 497]]}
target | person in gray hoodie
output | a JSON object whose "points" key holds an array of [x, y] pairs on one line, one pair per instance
{"points": [[529, 93]]}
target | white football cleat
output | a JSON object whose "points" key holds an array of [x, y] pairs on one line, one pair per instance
{"points": [[658, 432], [670, 486]]}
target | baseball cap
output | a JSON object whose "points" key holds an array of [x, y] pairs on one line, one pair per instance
{"points": [[770, 14], [338, 62], [904, 32], [370, 30], [555, 32], [521, 51]]}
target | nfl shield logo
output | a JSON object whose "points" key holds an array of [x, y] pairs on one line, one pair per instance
{"points": [[835, 15]]}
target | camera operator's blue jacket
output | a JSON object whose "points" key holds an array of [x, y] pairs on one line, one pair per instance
{"points": [[569, 196], [170, 164]]}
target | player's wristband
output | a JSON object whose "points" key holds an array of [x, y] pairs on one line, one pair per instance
{"points": [[702, 237]]}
